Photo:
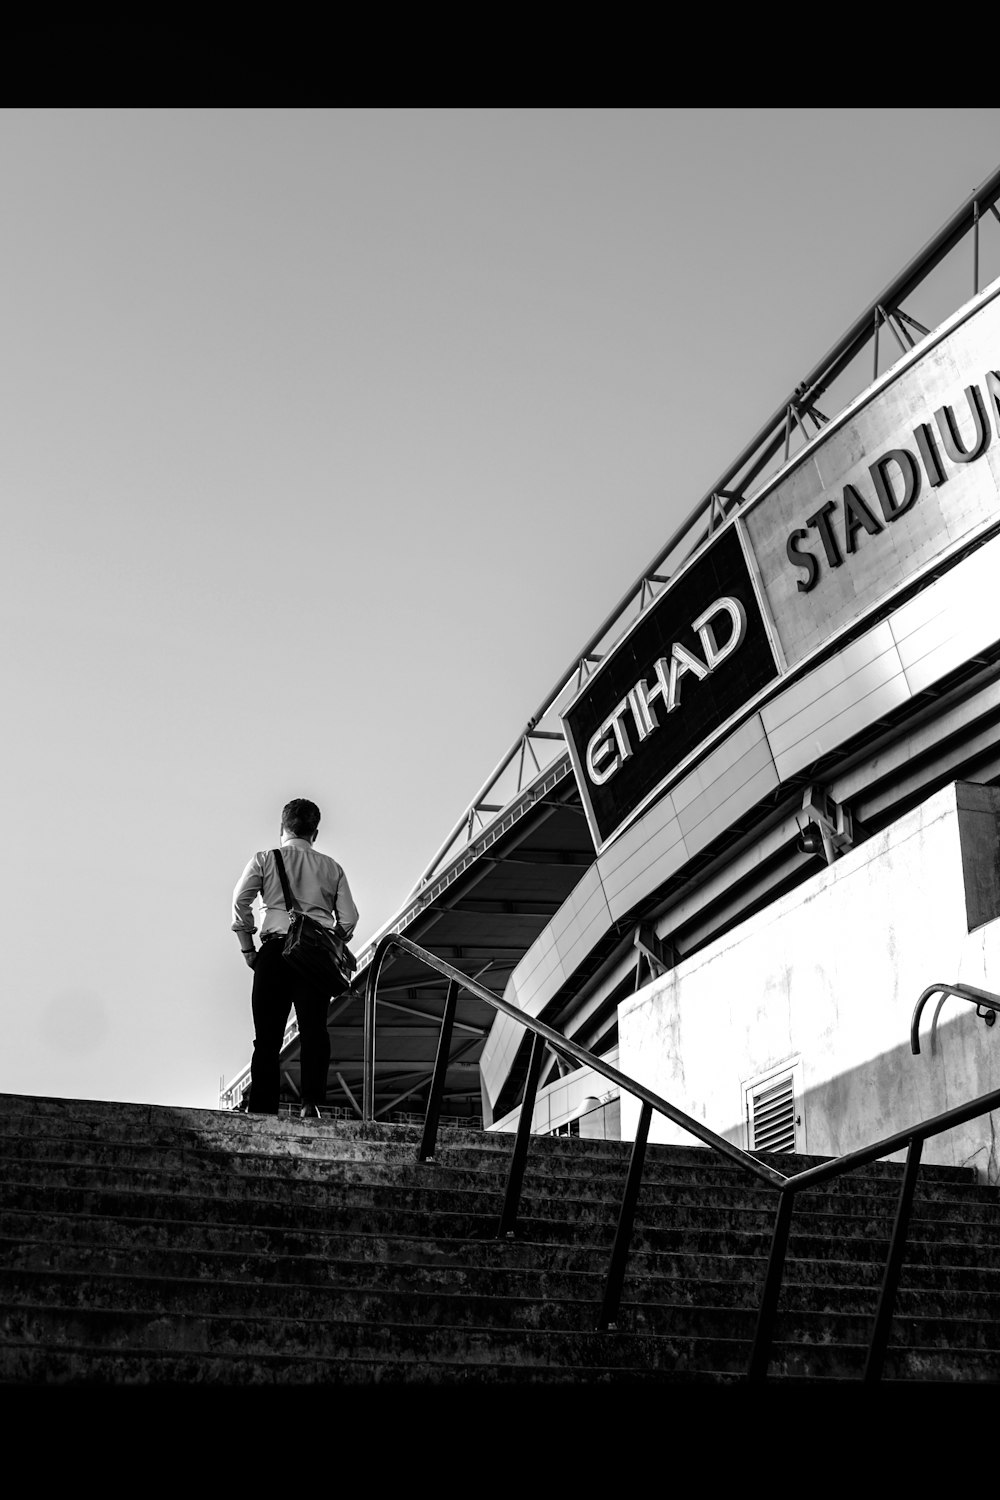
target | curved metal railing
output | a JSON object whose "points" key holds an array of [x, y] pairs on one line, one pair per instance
{"points": [[987, 1004], [911, 1140]]}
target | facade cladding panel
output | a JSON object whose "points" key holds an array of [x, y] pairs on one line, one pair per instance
{"points": [[704, 699], [721, 773], [653, 843], [578, 924], [955, 618], [832, 702], [729, 782], [742, 787], [498, 1054]]}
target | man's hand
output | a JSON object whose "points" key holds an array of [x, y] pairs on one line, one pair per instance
{"points": [[250, 954]]}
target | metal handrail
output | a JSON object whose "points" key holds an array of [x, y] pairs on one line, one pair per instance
{"points": [[548, 1034], [911, 1139], [969, 992]]}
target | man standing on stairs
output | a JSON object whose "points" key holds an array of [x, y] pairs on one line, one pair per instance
{"points": [[320, 888]]}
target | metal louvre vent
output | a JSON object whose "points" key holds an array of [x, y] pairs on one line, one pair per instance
{"points": [[771, 1115]]}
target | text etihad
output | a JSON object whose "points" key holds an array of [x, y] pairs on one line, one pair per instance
{"points": [[611, 746]]}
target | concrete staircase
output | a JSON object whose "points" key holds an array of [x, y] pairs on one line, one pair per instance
{"points": [[145, 1244]]}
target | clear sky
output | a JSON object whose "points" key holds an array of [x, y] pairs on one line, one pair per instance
{"points": [[328, 438]]}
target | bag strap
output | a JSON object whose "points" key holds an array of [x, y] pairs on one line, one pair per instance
{"points": [[290, 902]]}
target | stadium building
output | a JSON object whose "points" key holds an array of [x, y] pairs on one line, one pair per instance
{"points": [[747, 850]]}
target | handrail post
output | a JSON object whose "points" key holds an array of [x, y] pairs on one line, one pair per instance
{"points": [[890, 1280], [428, 1140], [760, 1354], [512, 1197], [368, 1044], [626, 1217]]}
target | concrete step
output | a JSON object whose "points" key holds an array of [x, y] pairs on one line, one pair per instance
{"points": [[476, 1215], [84, 1163], [273, 1230], [170, 1247], [165, 1125], [27, 1364], [134, 1329], [63, 1242], [71, 1296], [140, 1243], [125, 1332], [97, 1272]]}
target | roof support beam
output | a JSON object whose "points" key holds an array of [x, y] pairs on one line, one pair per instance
{"points": [[383, 1109], [409, 1010], [354, 1103]]}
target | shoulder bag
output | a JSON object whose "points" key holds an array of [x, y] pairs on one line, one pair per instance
{"points": [[311, 949]]}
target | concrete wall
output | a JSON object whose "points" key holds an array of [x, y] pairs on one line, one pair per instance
{"points": [[829, 975]]}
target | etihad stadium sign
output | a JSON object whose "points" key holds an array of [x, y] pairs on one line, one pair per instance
{"points": [[907, 477]]}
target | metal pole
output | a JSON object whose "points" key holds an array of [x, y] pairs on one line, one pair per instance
{"points": [[626, 1217], [760, 1354], [975, 249], [890, 1281], [429, 1139], [368, 1045], [379, 957], [512, 1197], [875, 369]]}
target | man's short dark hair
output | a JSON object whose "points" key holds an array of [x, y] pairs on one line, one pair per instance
{"points": [[300, 818]]}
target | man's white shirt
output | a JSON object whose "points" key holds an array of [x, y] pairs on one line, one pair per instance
{"points": [[317, 883]]}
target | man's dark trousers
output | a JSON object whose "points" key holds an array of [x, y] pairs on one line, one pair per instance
{"points": [[276, 988]]}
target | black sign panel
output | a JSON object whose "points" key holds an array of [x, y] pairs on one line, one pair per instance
{"points": [[693, 659]]}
